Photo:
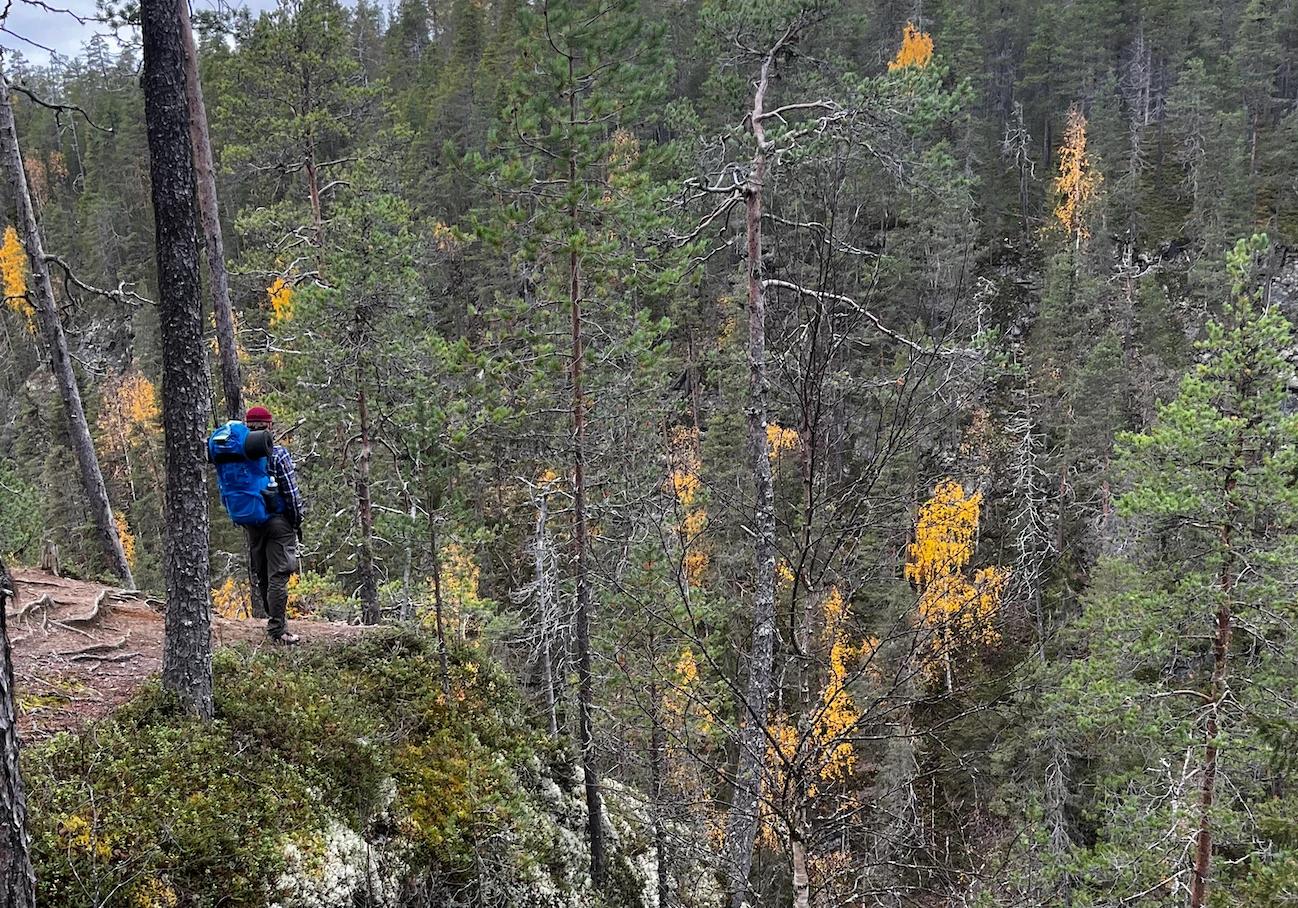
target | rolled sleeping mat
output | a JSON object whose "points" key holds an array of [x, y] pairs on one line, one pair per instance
{"points": [[257, 444]]}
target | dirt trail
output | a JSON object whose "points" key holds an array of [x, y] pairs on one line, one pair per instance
{"points": [[81, 649]]}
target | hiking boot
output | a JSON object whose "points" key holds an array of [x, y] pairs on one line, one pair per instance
{"points": [[286, 639]]}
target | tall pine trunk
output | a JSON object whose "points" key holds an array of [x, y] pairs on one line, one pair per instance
{"points": [[47, 316], [186, 401], [313, 188], [585, 677], [209, 211], [17, 881], [741, 825], [365, 507], [1220, 664]]}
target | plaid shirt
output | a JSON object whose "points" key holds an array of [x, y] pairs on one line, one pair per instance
{"points": [[281, 465]]}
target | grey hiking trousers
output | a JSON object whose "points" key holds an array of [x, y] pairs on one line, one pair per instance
{"points": [[273, 547]]}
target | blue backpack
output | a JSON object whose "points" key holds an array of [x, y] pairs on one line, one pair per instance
{"points": [[243, 473]]}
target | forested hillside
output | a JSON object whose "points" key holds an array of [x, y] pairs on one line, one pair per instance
{"points": [[863, 431]]}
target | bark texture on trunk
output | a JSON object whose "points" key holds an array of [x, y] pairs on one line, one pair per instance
{"points": [[585, 678], [365, 508], [801, 879], [313, 192], [1220, 666], [658, 788], [41, 293], [741, 825], [369, 587], [585, 675], [209, 211], [17, 881], [186, 400], [543, 561], [443, 666]]}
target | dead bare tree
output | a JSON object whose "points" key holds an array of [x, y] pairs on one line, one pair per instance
{"points": [[60, 360], [741, 825], [210, 218]]}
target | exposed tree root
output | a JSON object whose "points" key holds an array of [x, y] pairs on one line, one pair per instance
{"points": [[96, 648], [96, 612], [104, 657], [43, 602]]}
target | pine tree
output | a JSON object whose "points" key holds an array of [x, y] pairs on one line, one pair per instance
{"points": [[205, 175], [1186, 637], [187, 652], [348, 337], [575, 177], [17, 881], [294, 101]]}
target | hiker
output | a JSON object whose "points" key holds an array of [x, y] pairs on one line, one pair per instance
{"points": [[273, 544]]}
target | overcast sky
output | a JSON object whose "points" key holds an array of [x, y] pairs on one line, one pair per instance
{"points": [[63, 33]]}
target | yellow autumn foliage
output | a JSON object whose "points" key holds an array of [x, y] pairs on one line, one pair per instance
{"points": [[13, 269], [127, 538], [779, 440], [838, 711], [943, 534], [725, 332], [240, 352], [683, 481], [448, 240], [460, 576], [956, 608], [139, 399], [298, 605], [676, 702], [78, 834], [1078, 182], [154, 893], [830, 756], [130, 404], [686, 716], [783, 573], [280, 295], [232, 599], [916, 49], [687, 670], [129, 417], [696, 557], [685, 463]]}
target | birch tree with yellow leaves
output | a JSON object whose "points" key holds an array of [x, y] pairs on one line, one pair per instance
{"points": [[820, 349], [812, 754], [957, 608]]}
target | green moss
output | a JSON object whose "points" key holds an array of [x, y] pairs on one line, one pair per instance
{"points": [[156, 807], [179, 803]]}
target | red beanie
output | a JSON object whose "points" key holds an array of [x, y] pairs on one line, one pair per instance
{"points": [[257, 414]]}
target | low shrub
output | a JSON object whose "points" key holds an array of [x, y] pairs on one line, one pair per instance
{"points": [[150, 809]]}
